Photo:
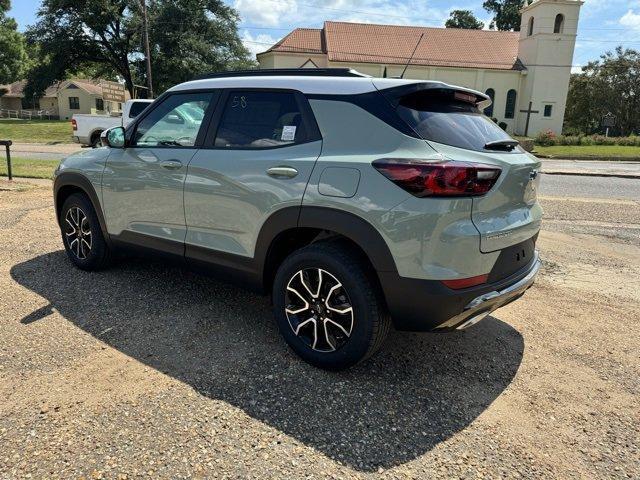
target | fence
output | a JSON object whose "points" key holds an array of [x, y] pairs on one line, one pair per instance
{"points": [[27, 114]]}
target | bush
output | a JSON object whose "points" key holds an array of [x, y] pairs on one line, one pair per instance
{"points": [[503, 126], [546, 138], [569, 140]]}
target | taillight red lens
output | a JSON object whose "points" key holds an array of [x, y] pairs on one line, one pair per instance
{"points": [[424, 178], [74, 125], [459, 283]]}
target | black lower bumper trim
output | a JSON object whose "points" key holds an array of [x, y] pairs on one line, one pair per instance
{"points": [[423, 305]]}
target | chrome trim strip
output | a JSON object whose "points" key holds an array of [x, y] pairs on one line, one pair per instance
{"points": [[496, 299]]}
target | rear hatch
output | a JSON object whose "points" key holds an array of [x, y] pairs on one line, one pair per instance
{"points": [[450, 119]]}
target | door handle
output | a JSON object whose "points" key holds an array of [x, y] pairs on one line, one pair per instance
{"points": [[171, 164], [282, 172]]}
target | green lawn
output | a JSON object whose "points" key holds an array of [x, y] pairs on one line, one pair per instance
{"points": [[24, 167], [36, 131], [608, 152]]}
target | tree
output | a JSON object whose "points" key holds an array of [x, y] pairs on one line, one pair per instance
{"points": [[506, 13], [610, 84], [463, 19], [190, 38], [13, 55], [105, 37]]}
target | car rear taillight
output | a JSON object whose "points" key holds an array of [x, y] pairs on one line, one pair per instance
{"points": [[74, 124], [459, 283], [424, 178]]}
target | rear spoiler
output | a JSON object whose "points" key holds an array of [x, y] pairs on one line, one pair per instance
{"points": [[395, 93]]}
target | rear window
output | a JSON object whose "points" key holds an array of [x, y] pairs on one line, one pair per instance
{"points": [[137, 108], [439, 117]]}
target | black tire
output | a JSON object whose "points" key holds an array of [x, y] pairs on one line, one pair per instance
{"points": [[89, 251], [370, 323]]}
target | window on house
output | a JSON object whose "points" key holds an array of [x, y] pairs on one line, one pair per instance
{"points": [[510, 108], [548, 110], [99, 104], [30, 103], [530, 30], [558, 26], [74, 103], [491, 93], [260, 120]]}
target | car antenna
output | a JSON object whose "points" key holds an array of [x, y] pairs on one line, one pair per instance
{"points": [[412, 54]]}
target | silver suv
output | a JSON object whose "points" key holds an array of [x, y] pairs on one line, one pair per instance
{"points": [[356, 202]]}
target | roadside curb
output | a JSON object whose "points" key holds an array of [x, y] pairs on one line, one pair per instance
{"points": [[633, 176], [588, 159]]}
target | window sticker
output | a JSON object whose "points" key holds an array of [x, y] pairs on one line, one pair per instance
{"points": [[288, 133]]}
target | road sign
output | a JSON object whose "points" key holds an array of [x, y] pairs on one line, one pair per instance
{"points": [[113, 92], [609, 120]]}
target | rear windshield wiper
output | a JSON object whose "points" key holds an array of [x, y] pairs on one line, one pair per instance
{"points": [[507, 145]]}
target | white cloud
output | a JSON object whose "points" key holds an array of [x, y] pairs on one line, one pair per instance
{"points": [[631, 19], [257, 43], [576, 69], [267, 13]]}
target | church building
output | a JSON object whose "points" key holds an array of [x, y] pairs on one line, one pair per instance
{"points": [[526, 73]]}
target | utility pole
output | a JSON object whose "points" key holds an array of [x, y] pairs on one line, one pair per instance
{"points": [[147, 52]]}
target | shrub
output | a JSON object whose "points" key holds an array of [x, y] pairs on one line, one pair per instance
{"points": [[569, 140], [587, 140], [546, 138], [602, 140], [495, 120], [503, 126]]}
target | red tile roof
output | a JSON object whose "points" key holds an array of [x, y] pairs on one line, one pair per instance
{"points": [[393, 44]]}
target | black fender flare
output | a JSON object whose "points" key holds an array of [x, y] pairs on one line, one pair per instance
{"points": [[347, 224], [79, 181]]}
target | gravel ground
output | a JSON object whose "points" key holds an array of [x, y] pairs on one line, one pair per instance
{"points": [[150, 370]]}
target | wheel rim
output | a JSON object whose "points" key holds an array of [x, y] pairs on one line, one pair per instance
{"points": [[78, 233], [318, 309]]}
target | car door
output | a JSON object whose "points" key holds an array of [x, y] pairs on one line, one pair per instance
{"points": [[257, 159], [143, 183]]}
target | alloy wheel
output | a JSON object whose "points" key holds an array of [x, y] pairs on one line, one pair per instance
{"points": [[78, 233], [318, 309]]}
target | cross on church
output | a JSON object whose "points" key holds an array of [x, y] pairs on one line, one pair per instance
{"points": [[528, 111]]}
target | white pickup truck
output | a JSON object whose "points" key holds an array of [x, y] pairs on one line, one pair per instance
{"points": [[87, 128]]}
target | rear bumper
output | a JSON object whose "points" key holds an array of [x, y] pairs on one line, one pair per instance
{"points": [[424, 305]]}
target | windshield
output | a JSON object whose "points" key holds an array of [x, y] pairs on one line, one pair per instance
{"points": [[451, 122]]}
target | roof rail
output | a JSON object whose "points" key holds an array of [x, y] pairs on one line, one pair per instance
{"points": [[297, 72]]}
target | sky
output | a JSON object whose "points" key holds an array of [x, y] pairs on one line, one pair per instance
{"points": [[603, 25]]}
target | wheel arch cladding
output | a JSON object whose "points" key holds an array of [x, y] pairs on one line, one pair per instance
{"points": [[66, 184]]}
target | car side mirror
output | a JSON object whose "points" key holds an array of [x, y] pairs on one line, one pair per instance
{"points": [[174, 119], [113, 137]]}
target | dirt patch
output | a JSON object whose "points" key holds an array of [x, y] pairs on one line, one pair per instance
{"points": [[150, 370]]}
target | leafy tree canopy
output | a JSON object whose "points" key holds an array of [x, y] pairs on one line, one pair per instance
{"points": [[104, 38], [463, 19], [13, 54], [609, 84], [506, 13]]}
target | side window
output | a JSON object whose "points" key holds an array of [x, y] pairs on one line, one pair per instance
{"points": [[175, 122], [74, 103], [253, 119]]}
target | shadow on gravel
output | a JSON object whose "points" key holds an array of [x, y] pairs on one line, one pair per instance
{"points": [[418, 391]]}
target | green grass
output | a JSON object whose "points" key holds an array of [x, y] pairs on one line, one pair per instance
{"points": [[607, 152], [26, 167], [36, 131]]}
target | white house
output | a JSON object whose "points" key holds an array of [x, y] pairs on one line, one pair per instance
{"points": [[514, 68]]}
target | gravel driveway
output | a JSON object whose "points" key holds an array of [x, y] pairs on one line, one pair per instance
{"points": [[151, 370]]}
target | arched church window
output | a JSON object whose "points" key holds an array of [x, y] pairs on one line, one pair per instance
{"points": [[530, 30], [510, 108], [558, 25], [491, 93]]}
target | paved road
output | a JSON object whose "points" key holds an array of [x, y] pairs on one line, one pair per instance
{"points": [[589, 187]]}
